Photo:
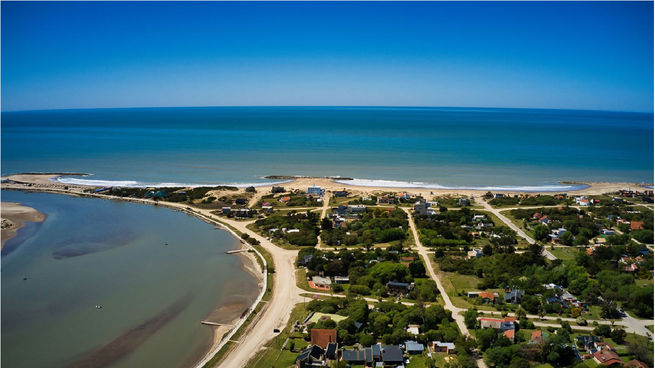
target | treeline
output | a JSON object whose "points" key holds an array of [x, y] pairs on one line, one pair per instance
{"points": [[306, 222]]}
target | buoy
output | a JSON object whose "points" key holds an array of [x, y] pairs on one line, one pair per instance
{"points": [[25, 278]]}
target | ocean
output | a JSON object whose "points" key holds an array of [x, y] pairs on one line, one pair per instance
{"points": [[426, 147], [155, 272]]}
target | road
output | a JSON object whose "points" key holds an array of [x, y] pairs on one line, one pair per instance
{"points": [[509, 223], [324, 209]]}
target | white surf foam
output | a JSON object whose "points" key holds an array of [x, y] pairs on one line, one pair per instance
{"points": [[140, 184], [421, 185]]}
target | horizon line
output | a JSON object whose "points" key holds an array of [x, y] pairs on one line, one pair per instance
{"points": [[321, 106]]}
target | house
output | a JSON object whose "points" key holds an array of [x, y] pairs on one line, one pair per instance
{"points": [[582, 201], [484, 225], [322, 281], [341, 279], [413, 347], [341, 193], [556, 234], [499, 195], [332, 351], [225, 210], [487, 297], [355, 356], [243, 213], [267, 209], [498, 324], [313, 356], [241, 201], [607, 231], [606, 355], [636, 225], [441, 347], [463, 202], [358, 208], [478, 218], [386, 199], [588, 342], [398, 288], [552, 286], [315, 190], [275, 190], [322, 337], [251, 189], [422, 207], [510, 334], [475, 253], [514, 296], [392, 354], [404, 195], [544, 220], [305, 260], [537, 337], [636, 364], [413, 329]]}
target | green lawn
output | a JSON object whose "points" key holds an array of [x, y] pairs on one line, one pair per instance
{"points": [[455, 283], [565, 254], [650, 327]]}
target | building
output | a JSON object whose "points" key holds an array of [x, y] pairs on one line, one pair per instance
{"points": [[242, 213], [636, 225], [285, 199], [413, 329], [398, 288], [634, 363], [356, 208], [499, 324], [241, 201], [313, 356], [475, 253], [422, 207], [315, 190], [606, 355], [413, 347], [510, 334], [341, 279], [386, 200], [305, 260], [463, 202], [487, 297], [275, 190], [323, 337], [514, 296], [537, 337], [607, 231], [251, 189], [267, 209], [225, 210], [322, 281], [340, 193], [441, 347], [332, 351]]}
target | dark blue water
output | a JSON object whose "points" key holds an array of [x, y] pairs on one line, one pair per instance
{"points": [[438, 146]]}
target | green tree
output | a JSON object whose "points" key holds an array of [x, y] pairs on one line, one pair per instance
{"points": [[471, 318], [618, 335], [541, 232]]}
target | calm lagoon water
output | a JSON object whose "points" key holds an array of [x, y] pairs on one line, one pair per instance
{"points": [[136, 261], [440, 146]]}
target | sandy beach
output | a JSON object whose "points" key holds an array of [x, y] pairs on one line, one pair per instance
{"points": [[14, 216]]}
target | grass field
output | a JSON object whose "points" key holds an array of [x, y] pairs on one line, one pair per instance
{"points": [[565, 254], [455, 283]]}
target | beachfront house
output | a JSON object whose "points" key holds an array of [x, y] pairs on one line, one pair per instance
{"points": [[340, 193], [323, 337], [243, 213], [315, 190], [356, 208], [313, 356], [276, 190], [463, 202]]}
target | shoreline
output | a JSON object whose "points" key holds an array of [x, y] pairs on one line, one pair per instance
{"points": [[14, 216]]}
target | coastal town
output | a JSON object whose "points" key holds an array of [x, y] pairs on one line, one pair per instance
{"points": [[386, 277]]}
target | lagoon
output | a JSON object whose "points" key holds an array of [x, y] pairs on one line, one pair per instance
{"points": [[156, 273]]}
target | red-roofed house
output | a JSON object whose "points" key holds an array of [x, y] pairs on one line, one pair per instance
{"points": [[636, 364], [509, 334], [537, 337], [606, 354], [322, 338], [636, 225], [487, 296]]}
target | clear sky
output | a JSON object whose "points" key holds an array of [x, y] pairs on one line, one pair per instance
{"points": [[583, 55]]}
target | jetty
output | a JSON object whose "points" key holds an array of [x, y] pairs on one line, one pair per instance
{"points": [[236, 251], [215, 324]]}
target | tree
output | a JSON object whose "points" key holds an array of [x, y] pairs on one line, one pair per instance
{"points": [[603, 330], [520, 314], [618, 335], [541, 232], [471, 318], [416, 269], [292, 345], [566, 238], [486, 338], [366, 340], [326, 224]]}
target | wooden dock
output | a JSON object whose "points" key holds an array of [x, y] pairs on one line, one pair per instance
{"points": [[215, 324], [236, 251]]}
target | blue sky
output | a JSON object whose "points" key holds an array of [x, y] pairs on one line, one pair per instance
{"points": [[584, 55]]}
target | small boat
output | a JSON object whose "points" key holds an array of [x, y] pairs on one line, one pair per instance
{"points": [[99, 306]]}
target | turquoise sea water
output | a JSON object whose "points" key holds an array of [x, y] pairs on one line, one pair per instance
{"points": [[434, 146], [138, 262]]}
